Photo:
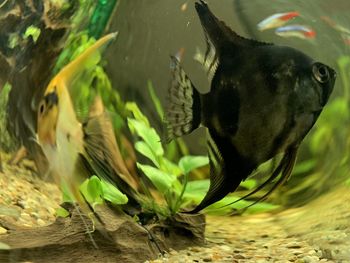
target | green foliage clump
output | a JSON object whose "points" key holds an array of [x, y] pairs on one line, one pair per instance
{"points": [[172, 179], [96, 191], [6, 141], [163, 173]]}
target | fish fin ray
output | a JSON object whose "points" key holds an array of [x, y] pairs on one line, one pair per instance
{"points": [[218, 32], [103, 155], [285, 166], [183, 114], [286, 173], [221, 181]]}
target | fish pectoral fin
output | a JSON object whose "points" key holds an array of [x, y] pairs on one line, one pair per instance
{"points": [[183, 114], [221, 181]]}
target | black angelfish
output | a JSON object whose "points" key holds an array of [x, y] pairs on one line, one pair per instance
{"points": [[263, 100]]}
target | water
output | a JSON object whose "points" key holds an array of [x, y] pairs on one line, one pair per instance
{"points": [[312, 206]]}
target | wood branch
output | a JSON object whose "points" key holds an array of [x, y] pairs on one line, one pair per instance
{"points": [[121, 239]]}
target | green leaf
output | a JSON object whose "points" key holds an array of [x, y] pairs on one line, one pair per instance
{"points": [[61, 212], [112, 194], [4, 246], [13, 40], [138, 115], [161, 180], [94, 187], [189, 163], [262, 207], [144, 149], [320, 136], [155, 100], [92, 190], [218, 209], [149, 135], [249, 184], [32, 31], [170, 167], [304, 167], [196, 189], [66, 195]]}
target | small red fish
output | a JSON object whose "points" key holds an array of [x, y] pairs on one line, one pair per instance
{"points": [[277, 20], [300, 31], [335, 25], [346, 39]]}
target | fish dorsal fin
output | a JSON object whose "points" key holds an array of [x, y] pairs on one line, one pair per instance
{"points": [[218, 33]]}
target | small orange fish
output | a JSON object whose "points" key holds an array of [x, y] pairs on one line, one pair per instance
{"points": [[300, 31]]}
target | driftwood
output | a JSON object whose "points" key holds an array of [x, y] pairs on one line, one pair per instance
{"points": [[120, 240]]}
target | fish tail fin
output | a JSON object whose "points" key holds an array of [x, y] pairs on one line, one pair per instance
{"points": [[183, 114]]}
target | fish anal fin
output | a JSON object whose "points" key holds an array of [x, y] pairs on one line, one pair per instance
{"points": [[225, 175], [287, 163], [285, 166]]}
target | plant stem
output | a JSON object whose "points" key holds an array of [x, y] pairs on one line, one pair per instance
{"points": [[179, 200]]}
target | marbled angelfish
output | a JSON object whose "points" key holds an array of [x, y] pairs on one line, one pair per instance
{"points": [[263, 100]]}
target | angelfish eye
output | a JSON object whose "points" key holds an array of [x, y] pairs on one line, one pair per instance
{"points": [[321, 72], [42, 108]]}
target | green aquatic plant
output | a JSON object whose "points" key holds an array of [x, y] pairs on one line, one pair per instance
{"points": [[163, 173], [97, 191], [100, 17], [33, 32], [6, 142], [171, 179]]}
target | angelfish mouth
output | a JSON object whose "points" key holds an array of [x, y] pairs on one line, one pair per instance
{"points": [[48, 139]]}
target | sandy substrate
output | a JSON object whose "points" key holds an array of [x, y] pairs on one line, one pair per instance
{"points": [[318, 232], [25, 199]]}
